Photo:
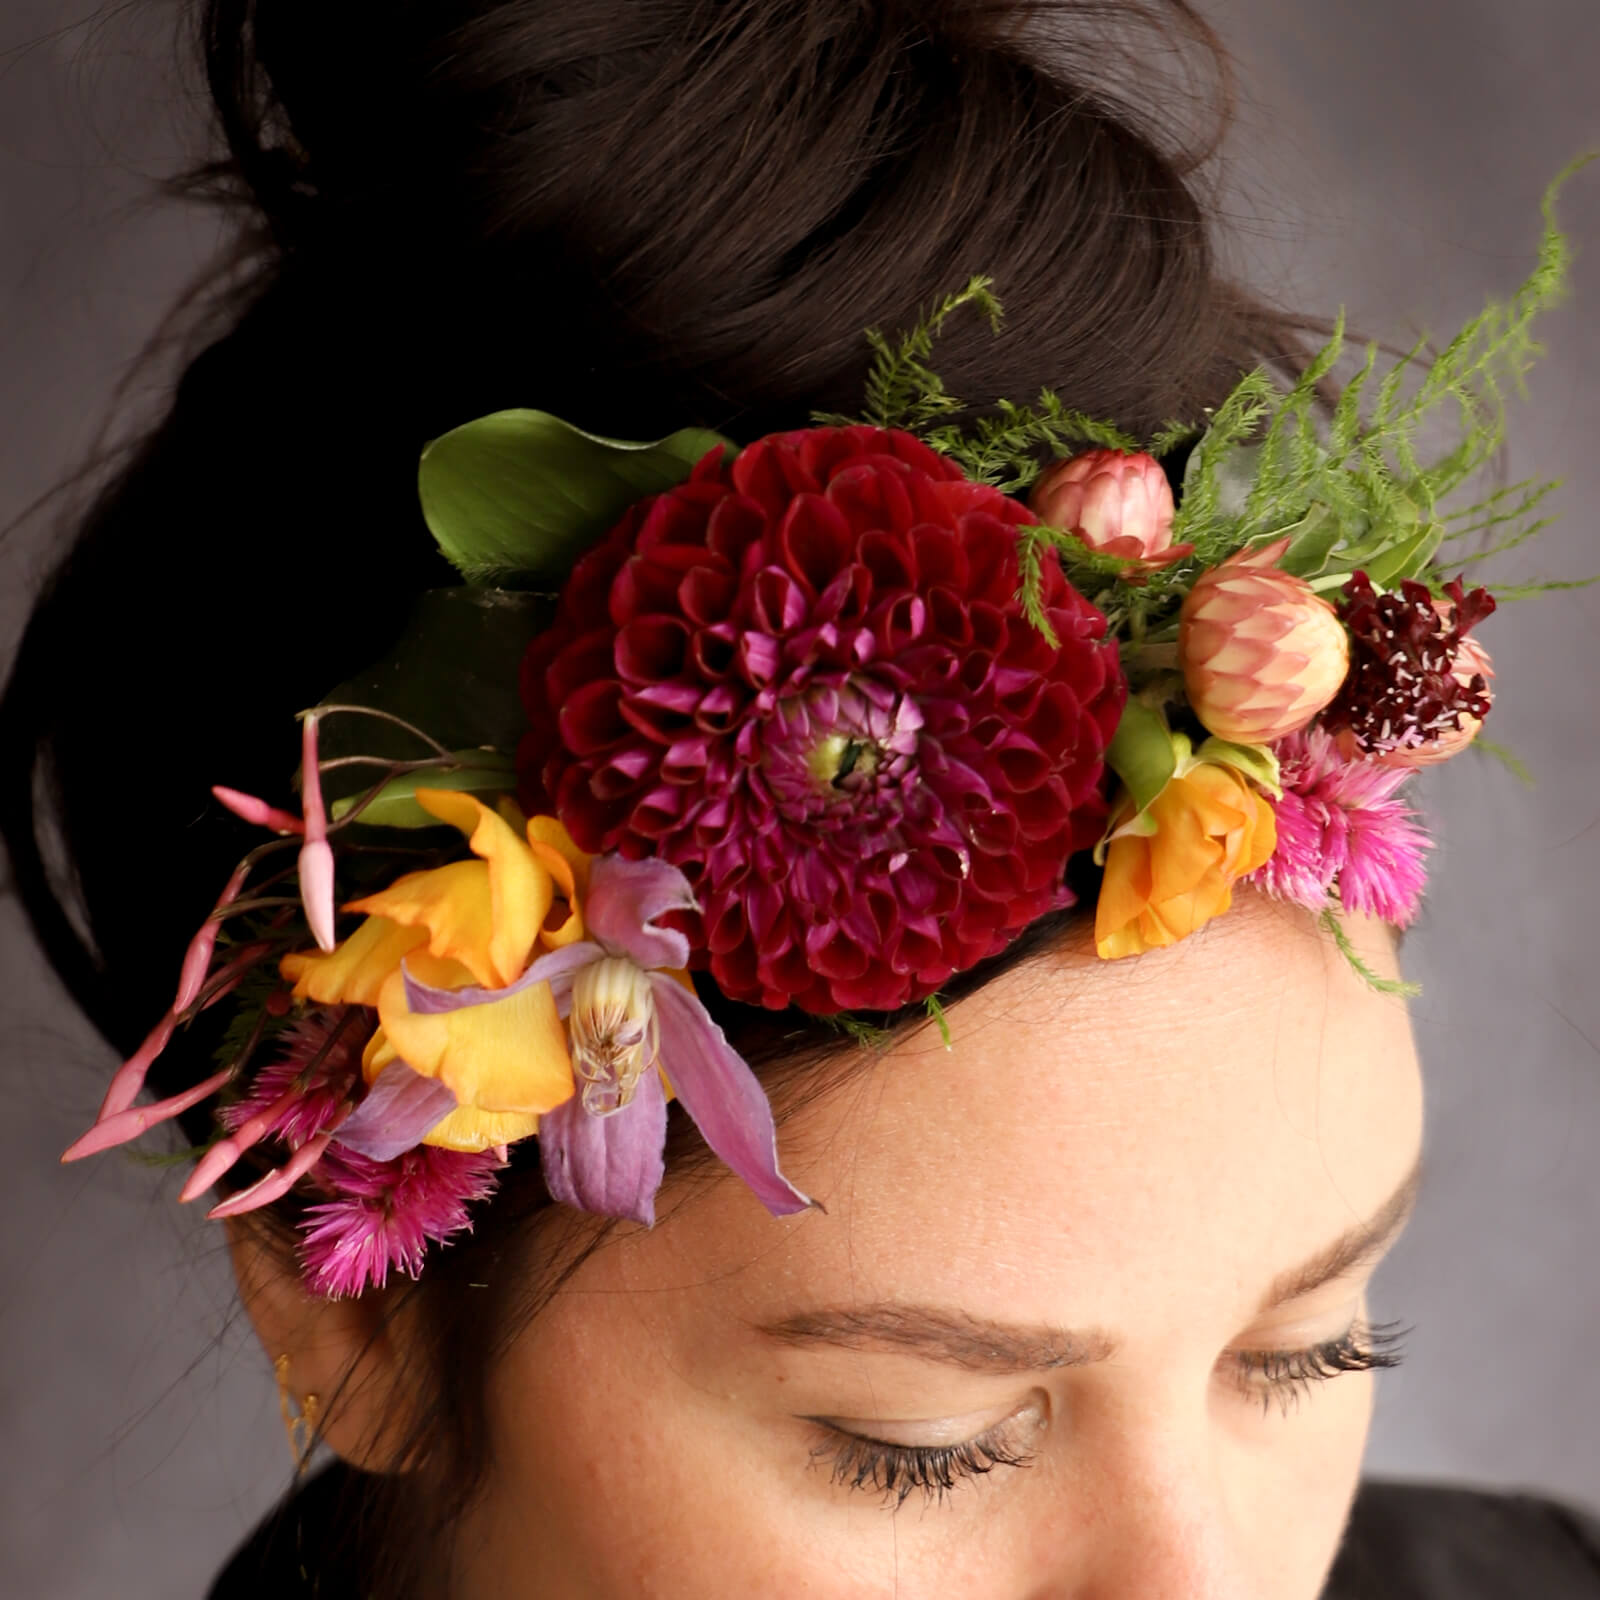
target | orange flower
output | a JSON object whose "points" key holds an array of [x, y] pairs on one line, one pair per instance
{"points": [[1171, 868], [468, 924]]}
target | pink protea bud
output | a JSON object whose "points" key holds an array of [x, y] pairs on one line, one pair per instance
{"points": [[1117, 503], [1261, 652]]}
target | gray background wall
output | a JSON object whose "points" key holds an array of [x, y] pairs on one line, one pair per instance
{"points": [[1390, 155]]}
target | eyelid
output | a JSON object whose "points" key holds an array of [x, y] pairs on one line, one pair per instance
{"points": [[935, 1433]]}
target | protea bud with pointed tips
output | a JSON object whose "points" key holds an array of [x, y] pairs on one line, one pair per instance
{"points": [[1262, 653], [1116, 502]]}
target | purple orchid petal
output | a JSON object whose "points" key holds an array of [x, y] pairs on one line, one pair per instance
{"points": [[722, 1094], [399, 1110], [626, 897], [558, 969], [609, 1165]]}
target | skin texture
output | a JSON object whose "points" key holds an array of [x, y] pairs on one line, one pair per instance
{"points": [[1138, 1150]]}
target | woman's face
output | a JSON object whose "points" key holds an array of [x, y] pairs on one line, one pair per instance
{"points": [[1049, 1251]]}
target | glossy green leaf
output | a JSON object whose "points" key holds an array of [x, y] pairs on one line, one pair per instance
{"points": [[1311, 542], [515, 498], [485, 773], [1143, 753], [452, 673], [1406, 558]]}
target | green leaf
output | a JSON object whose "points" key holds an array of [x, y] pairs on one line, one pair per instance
{"points": [[1406, 558], [1509, 759], [1143, 753], [518, 496], [1253, 761], [452, 674], [485, 773], [1311, 542]]}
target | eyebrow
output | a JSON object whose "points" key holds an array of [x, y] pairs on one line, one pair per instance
{"points": [[954, 1338]]}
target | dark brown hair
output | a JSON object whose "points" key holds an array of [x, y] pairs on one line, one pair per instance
{"points": [[640, 214]]}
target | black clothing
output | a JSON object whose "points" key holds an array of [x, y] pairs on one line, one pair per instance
{"points": [[1405, 1541]]}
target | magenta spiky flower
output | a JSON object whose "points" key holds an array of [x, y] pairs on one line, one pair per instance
{"points": [[1343, 839], [804, 678], [311, 1078], [1406, 689], [385, 1214]]}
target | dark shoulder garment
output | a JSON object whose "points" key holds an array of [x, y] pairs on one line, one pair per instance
{"points": [[1405, 1541]]}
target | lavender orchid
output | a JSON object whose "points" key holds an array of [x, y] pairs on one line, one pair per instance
{"points": [[631, 1019]]}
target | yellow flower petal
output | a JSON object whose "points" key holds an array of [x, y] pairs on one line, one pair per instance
{"points": [[552, 835], [455, 905], [469, 1129], [1211, 829], [520, 887], [505, 1055], [377, 1055], [353, 972]]}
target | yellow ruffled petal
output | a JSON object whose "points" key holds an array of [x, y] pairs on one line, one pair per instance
{"points": [[505, 1055], [470, 1129], [456, 908], [377, 1055], [353, 972], [520, 887], [1211, 828], [548, 835], [466, 1128]]}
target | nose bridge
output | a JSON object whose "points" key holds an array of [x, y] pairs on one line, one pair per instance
{"points": [[1159, 1523]]}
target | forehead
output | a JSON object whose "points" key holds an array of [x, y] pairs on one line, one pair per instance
{"points": [[1101, 1142]]}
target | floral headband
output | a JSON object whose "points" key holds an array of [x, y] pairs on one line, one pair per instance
{"points": [[821, 722]]}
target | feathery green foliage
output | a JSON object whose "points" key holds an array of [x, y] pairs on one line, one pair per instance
{"points": [[1333, 923], [1352, 483]]}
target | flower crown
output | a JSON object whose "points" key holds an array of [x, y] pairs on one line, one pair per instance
{"points": [[821, 722]]}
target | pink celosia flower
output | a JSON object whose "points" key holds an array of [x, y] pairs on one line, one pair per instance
{"points": [[1342, 836], [320, 1090], [386, 1213], [298, 1097]]}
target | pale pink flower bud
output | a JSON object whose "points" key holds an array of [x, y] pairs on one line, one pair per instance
{"points": [[1262, 653], [1116, 503]]}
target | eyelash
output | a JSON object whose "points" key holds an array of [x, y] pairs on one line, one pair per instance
{"points": [[1287, 1375], [897, 1471]]}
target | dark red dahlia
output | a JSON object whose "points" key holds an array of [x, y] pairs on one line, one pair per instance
{"points": [[1407, 688], [804, 678]]}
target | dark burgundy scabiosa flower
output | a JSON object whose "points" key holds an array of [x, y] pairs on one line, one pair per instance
{"points": [[804, 678], [1406, 689]]}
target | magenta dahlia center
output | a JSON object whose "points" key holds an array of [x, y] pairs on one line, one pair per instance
{"points": [[841, 753]]}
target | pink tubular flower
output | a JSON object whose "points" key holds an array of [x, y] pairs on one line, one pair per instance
{"points": [[316, 854], [805, 678], [1342, 836], [386, 1213], [1115, 502]]}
